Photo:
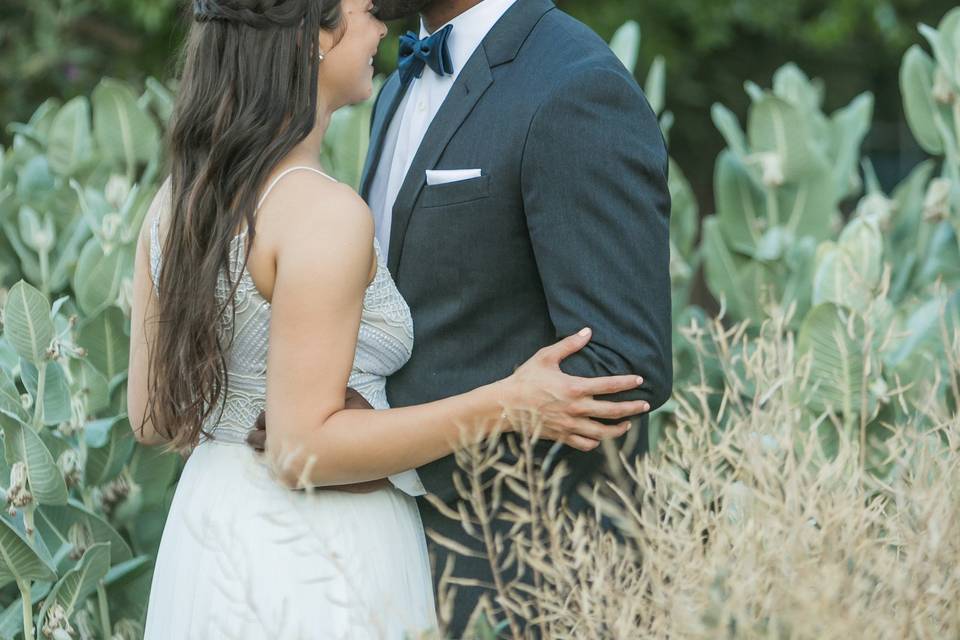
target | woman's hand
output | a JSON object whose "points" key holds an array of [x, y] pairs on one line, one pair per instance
{"points": [[539, 396]]}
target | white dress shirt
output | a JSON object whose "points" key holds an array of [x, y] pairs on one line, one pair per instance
{"points": [[419, 106]]}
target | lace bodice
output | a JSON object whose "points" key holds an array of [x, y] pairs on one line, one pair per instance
{"points": [[384, 343]]}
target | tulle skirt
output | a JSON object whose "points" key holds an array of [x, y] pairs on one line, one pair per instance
{"points": [[242, 557]]}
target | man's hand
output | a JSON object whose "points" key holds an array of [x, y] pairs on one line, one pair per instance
{"points": [[258, 437]]}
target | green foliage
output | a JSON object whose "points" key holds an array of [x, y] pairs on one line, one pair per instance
{"points": [[74, 189], [867, 298], [63, 47], [931, 88], [711, 25], [346, 141], [870, 297], [778, 189]]}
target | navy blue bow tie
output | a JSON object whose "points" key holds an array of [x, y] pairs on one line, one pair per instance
{"points": [[432, 51]]}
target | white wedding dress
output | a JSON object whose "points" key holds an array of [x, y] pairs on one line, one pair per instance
{"points": [[242, 557]]}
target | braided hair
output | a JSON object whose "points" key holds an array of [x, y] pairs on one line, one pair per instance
{"points": [[247, 97], [257, 14]]}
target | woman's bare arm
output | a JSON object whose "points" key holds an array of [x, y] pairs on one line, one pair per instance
{"points": [[323, 256], [143, 329]]}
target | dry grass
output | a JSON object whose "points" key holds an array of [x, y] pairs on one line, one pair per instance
{"points": [[748, 531]]}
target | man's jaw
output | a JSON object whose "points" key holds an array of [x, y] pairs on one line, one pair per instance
{"points": [[396, 9]]}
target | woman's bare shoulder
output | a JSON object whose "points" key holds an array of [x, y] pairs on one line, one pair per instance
{"points": [[305, 201], [310, 218]]}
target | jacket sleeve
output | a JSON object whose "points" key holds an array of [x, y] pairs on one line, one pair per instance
{"points": [[594, 181]]}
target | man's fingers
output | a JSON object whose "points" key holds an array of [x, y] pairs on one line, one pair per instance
{"points": [[566, 347], [356, 401], [257, 439]]}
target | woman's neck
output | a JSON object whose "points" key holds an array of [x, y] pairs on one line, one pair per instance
{"points": [[309, 149]]}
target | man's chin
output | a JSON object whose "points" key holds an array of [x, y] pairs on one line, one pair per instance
{"points": [[397, 9]]}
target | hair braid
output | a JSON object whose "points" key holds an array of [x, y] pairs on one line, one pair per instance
{"points": [[258, 14]]}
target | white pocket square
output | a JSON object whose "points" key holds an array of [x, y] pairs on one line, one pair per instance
{"points": [[435, 177]]}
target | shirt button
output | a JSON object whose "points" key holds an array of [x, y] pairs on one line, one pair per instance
{"points": [[422, 106]]}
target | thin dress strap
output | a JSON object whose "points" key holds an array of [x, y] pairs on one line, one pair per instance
{"points": [[266, 193], [162, 198]]}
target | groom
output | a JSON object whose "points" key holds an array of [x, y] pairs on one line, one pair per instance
{"points": [[518, 179]]}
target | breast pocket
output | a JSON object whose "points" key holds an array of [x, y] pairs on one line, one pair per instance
{"points": [[445, 195]]}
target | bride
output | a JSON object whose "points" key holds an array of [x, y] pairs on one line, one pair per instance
{"points": [[259, 286]]}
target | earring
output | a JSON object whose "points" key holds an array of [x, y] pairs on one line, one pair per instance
{"points": [[320, 54]]}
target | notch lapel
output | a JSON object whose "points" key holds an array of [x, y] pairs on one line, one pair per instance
{"points": [[391, 95], [469, 87], [501, 46]]}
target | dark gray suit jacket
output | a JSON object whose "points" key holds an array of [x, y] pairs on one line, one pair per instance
{"points": [[567, 227]]}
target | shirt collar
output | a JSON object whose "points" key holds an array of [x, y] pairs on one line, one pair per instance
{"points": [[470, 28]]}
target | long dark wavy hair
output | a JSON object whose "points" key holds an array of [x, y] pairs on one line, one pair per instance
{"points": [[247, 97]]}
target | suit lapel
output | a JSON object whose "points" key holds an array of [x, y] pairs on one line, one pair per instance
{"points": [[501, 46], [390, 96], [469, 87]]}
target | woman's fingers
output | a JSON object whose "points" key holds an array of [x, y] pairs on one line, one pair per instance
{"points": [[611, 410], [566, 347], [586, 428], [606, 385], [586, 435], [581, 443], [582, 433]]}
